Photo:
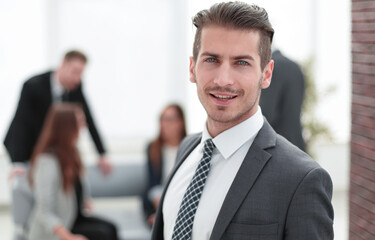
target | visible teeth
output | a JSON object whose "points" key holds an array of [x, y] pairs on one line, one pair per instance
{"points": [[224, 97]]}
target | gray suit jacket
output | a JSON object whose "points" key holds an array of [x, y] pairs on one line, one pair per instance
{"points": [[279, 192]]}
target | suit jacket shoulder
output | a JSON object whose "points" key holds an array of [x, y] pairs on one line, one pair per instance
{"points": [[187, 145], [279, 191], [40, 78], [33, 105]]}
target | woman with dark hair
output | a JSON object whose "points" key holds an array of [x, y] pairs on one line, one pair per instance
{"points": [[56, 174], [161, 154]]}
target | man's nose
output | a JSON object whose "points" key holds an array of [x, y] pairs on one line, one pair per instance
{"points": [[223, 75]]}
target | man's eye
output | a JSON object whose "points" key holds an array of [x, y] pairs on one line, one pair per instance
{"points": [[243, 63], [210, 60]]}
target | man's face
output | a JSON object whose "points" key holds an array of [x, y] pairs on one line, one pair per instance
{"points": [[70, 73], [228, 75]]}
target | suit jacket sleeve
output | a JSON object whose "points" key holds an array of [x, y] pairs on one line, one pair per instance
{"points": [[310, 214], [90, 122], [20, 140]]}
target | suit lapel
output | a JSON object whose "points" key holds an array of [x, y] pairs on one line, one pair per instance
{"points": [[43, 99], [46, 89], [255, 159], [185, 149]]}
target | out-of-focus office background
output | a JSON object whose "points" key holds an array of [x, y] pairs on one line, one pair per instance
{"points": [[138, 62]]}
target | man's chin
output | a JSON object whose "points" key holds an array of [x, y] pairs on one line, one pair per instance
{"points": [[221, 117], [226, 117], [72, 87]]}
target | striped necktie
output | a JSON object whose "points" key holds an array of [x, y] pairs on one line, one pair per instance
{"points": [[185, 217]]}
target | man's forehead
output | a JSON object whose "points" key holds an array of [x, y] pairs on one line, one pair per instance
{"points": [[74, 61], [230, 31], [219, 40]]}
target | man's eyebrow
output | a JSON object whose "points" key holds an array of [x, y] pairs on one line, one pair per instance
{"points": [[210, 54], [249, 57]]}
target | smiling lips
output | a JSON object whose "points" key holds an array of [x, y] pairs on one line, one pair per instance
{"points": [[223, 99], [223, 96]]}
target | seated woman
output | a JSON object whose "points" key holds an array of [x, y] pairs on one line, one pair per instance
{"points": [[161, 154], [56, 175]]}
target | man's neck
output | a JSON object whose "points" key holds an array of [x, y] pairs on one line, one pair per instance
{"points": [[214, 128], [58, 81]]}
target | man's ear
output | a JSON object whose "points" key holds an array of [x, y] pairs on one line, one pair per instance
{"points": [[267, 74], [192, 70]]}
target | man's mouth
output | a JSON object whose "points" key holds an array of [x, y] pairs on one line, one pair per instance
{"points": [[223, 97]]}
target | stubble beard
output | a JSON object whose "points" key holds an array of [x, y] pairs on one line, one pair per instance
{"points": [[217, 115]]}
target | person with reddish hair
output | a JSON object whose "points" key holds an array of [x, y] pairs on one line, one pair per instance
{"points": [[161, 154], [56, 174]]}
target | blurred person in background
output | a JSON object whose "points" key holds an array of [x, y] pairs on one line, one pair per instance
{"points": [[56, 178], [282, 101], [37, 95], [161, 155]]}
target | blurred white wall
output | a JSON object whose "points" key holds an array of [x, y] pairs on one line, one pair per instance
{"points": [[333, 65], [136, 49], [138, 56], [22, 51]]}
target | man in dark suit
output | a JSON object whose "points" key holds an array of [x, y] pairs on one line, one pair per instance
{"points": [[282, 101], [37, 95], [239, 179]]}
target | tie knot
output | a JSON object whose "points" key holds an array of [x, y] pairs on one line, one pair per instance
{"points": [[209, 146], [65, 96]]}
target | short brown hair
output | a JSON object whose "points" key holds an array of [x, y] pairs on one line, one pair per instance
{"points": [[236, 15], [75, 54]]}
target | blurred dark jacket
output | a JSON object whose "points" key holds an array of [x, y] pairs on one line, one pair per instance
{"points": [[281, 102], [154, 179]]}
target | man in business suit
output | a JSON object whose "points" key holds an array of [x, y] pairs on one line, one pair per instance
{"points": [[37, 95], [282, 101], [257, 185]]}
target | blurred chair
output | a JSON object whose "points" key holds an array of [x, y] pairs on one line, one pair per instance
{"points": [[127, 179]]}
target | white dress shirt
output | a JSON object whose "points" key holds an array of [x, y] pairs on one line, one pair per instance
{"points": [[57, 89], [232, 146], [169, 159]]}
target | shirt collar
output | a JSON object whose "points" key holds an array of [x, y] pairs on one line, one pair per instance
{"points": [[57, 88], [232, 139]]}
